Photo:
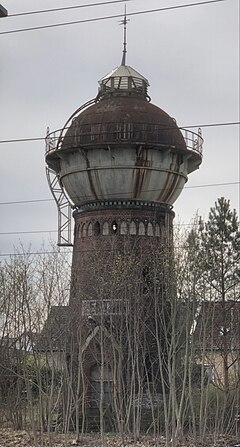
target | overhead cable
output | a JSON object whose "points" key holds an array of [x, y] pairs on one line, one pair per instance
{"points": [[114, 16], [64, 251], [233, 123], [11, 233], [65, 8], [149, 190]]}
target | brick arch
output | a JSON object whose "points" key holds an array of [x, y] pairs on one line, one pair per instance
{"points": [[114, 227], [96, 228], [84, 230], [124, 228], [141, 229], [90, 229], [150, 229], [105, 230], [157, 230], [132, 228]]}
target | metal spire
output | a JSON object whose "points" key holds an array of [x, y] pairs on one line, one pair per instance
{"points": [[124, 23]]}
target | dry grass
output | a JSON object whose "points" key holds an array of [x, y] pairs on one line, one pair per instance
{"points": [[9, 438]]}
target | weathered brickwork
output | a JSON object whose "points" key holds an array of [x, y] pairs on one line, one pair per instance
{"points": [[115, 250]]}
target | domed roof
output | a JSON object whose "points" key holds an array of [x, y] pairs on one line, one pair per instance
{"points": [[107, 120]]}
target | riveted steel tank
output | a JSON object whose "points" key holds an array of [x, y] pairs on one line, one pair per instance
{"points": [[124, 147]]}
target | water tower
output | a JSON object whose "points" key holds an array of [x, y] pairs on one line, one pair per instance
{"points": [[120, 163]]}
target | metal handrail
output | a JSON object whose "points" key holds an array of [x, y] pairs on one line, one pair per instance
{"points": [[110, 133]]}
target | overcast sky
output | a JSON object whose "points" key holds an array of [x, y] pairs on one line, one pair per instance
{"points": [[190, 57]]}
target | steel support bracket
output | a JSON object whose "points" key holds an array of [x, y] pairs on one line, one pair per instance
{"points": [[64, 208]]}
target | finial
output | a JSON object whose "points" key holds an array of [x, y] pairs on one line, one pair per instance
{"points": [[124, 23]]}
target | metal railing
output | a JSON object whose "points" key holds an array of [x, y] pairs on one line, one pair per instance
{"points": [[110, 133]]}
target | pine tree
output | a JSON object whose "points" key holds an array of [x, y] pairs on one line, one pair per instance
{"points": [[220, 263]]}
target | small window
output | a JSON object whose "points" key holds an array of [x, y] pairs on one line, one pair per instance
{"points": [[123, 228], [84, 230], [150, 229], [114, 227], [105, 229], [157, 230], [90, 230], [133, 229], [96, 228], [142, 229]]}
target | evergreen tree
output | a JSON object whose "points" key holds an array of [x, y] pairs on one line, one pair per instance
{"points": [[220, 264], [220, 248]]}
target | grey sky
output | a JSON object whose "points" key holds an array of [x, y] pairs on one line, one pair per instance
{"points": [[190, 57]]}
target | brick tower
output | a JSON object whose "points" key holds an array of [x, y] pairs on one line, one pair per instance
{"points": [[121, 162]]}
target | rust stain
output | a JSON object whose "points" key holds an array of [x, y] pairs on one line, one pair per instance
{"points": [[172, 180], [176, 186], [92, 188], [169, 188], [141, 176], [97, 183]]}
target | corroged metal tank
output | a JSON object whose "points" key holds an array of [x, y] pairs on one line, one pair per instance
{"points": [[122, 147]]}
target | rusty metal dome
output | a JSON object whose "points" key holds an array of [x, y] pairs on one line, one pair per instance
{"points": [[123, 119]]}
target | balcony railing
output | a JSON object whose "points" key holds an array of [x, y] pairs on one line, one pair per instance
{"points": [[109, 133]]}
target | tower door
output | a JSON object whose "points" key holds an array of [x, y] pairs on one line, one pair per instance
{"points": [[101, 385]]}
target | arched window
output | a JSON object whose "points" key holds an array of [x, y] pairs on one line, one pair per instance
{"points": [[133, 228], [157, 230], [123, 228], [96, 228], [149, 229], [84, 230], [105, 229], [90, 229], [141, 230], [78, 231]]}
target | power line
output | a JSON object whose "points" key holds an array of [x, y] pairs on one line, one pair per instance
{"points": [[9, 233], [149, 190], [115, 16], [92, 250], [17, 202], [42, 11], [37, 253], [12, 233], [29, 232], [192, 126], [22, 140]]}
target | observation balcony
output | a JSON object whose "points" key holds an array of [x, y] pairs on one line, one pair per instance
{"points": [[104, 134]]}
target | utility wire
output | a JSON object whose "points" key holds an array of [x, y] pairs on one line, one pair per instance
{"points": [[114, 16], [149, 190], [42, 11], [233, 123], [9, 233], [32, 232], [27, 201], [92, 250], [36, 253]]}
